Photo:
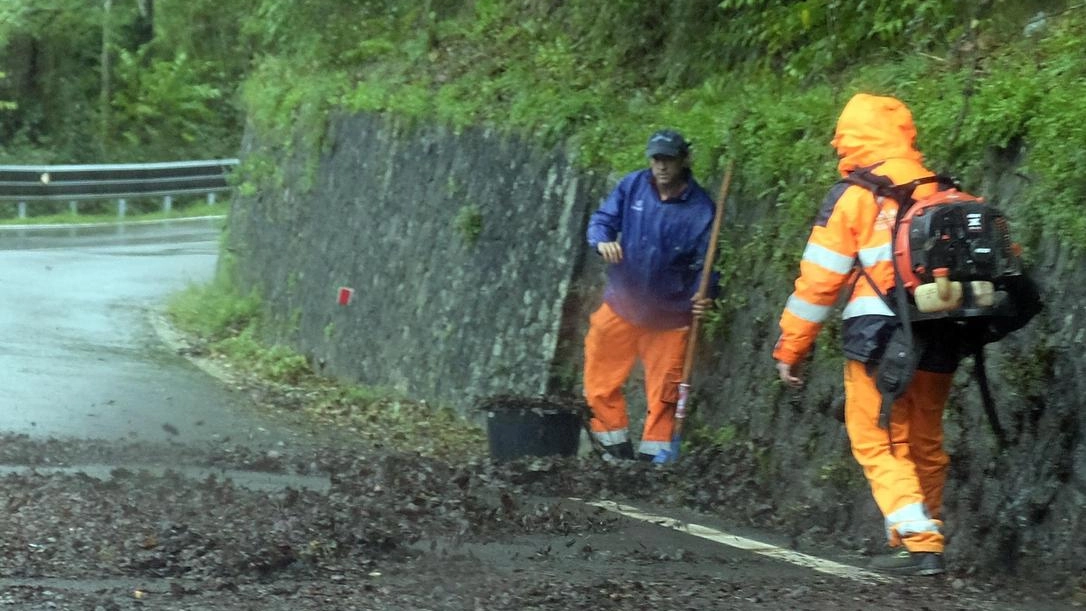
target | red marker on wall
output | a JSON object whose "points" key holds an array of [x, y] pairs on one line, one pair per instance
{"points": [[346, 295]]}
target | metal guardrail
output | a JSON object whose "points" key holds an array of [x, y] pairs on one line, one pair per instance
{"points": [[76, 183]]}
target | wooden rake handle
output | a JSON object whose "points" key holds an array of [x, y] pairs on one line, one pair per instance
{"points": [[707, 271]]}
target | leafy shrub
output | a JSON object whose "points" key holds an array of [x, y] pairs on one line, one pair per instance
{"points": [[214, 311], [469, 223], [759, 82]]}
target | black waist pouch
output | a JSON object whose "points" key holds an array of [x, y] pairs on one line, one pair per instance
{"points": [[896, 369]]}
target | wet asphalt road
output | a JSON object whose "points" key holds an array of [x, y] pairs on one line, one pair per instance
{"points": [[79, 356], [80, 359]]}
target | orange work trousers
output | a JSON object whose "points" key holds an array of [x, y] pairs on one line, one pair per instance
{"points": [[905, 466], [611, 348]]}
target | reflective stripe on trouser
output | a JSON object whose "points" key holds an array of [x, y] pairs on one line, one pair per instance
{"points": [[653, 447], [907, 477], [612, 438], [611, 348]]}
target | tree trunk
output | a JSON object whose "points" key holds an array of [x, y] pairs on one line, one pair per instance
{"points": [[144, 27], [105, 94]]}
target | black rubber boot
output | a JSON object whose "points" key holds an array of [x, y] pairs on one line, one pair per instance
{"points": [[621, 451], [905, 562]]}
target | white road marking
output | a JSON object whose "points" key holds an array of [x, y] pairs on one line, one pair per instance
{"points": [[765, 549]]}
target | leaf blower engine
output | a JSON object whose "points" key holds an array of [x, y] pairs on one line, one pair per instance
{"points": [[953, 252]]}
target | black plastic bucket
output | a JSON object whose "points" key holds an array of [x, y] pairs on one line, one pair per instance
{"points": [[517, 432]]}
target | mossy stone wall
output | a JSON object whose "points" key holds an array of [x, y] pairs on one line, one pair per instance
{"points": [[462, 250], [467, 255]]}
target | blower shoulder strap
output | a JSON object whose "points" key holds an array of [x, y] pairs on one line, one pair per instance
{"points": [[882, 186], [986, 397]]}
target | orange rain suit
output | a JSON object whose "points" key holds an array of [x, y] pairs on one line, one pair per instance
{"points": [[905, 466], [612, 346], [646, 311]]}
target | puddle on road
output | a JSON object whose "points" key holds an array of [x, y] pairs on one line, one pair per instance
{"points": [[252, 480]]}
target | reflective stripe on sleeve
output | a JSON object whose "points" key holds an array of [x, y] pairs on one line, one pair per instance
{"points": [[828, 259], [806, 310], [866, 306], [871, 256]]}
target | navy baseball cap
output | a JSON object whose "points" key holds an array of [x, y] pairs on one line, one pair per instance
{"points": [[667, 142]]}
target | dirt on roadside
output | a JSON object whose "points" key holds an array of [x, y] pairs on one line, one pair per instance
{"points": [[393, 530]]}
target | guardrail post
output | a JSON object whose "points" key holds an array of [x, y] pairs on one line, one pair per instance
{"points": [[111, 182]]}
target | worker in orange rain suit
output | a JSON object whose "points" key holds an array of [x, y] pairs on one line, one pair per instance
{"points": [[653, 231], [905, 465]]}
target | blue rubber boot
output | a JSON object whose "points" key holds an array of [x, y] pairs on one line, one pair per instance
{"points": [[668, 454]]}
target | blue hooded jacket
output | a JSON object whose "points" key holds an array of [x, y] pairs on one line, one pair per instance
{"points": [[663, 249]]}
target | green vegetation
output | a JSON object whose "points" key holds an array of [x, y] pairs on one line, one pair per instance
{"points": [[214, 312], [107, 82], [6, 104], [757, 82], [843, 475], [67, 218], [1031, 370], [760, 82], [226, 326], [469, 223], [275, 362], [701, 435]]}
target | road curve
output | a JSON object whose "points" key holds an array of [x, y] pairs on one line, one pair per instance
{"points": [[78, 354]]}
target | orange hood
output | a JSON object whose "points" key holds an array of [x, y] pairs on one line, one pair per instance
{"points": [[873, 129]]}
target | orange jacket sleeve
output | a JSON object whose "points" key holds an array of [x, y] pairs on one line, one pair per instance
{"points": [[826, 267]]}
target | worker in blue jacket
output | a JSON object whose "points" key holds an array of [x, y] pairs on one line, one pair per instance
{"points": [[653, 231]]}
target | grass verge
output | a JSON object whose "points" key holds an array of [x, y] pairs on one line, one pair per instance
{"points": [[67, 218], [223, 325]]}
